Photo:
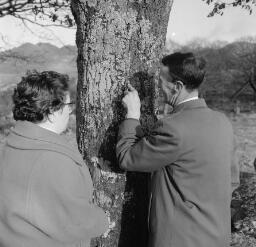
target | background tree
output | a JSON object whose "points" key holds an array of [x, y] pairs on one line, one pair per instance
{"points": [[244, 60]]}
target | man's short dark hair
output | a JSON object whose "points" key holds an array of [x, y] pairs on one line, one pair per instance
{"points": [[38, 95], [186, 67]]}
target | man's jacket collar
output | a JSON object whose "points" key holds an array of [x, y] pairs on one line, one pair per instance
{"points": [[197, 103]]}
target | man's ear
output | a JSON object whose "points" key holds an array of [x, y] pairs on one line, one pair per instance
{"points": [[178, 85]]}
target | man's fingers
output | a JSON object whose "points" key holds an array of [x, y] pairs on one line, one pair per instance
{"points": [[124, 103], [126, 92], [124, 99], [131, 88]]}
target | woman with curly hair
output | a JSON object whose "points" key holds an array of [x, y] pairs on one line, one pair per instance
{"points": [[45, 187]]}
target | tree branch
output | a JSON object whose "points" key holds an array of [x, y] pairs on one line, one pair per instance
{"points": [[220, 6], [24, 19], [57, 11]]}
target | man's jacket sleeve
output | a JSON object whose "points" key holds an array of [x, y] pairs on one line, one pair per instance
{"points": [[136, 152]]}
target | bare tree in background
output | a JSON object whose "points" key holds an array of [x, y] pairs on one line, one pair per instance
{"points": [[244, 61], [246, 58]]}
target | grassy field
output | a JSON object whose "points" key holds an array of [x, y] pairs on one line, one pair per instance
{"points": [[244, 126]]}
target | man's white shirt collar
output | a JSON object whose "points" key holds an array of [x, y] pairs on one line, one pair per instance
{"points": [[189, 99]]}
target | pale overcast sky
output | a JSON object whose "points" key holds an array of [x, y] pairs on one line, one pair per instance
{"points": [[188, 20]]}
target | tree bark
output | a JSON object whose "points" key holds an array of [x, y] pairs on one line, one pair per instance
{"points": [[118, 42]]}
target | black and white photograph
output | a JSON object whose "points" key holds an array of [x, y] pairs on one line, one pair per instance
{"points": [[127, 123]]}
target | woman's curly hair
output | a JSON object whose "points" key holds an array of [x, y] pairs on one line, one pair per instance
{"points": [[39, 94]]}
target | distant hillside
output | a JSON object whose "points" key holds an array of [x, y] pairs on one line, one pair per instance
{"points": [[224, 75], [228, 69], [43, 56], [227, 66]]}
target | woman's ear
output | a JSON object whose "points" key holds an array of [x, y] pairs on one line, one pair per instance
{"points": [[51, 117]]}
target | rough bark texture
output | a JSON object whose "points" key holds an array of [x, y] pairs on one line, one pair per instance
{"points": [[119, 41]]}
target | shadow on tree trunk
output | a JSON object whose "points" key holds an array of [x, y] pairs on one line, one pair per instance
{"points": [[134, 220], [124, 195]]}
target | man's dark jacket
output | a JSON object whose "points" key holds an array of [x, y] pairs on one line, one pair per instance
{"points": [[189, 153]]}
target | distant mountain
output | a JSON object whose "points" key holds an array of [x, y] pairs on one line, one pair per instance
{"points": [[171, 46], [43, 56], [45, 50], [195, 44], [224, 72]]}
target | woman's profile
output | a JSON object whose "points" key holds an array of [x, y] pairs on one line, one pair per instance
{"points": [[45, 187]]}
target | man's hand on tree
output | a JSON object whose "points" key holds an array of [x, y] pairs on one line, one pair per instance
{"points": [[131, 102]]}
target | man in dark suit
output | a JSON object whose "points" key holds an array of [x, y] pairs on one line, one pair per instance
{"points": [[189, 153]]}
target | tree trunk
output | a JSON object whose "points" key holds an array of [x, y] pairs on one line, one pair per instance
{"points": [[118, 42]]}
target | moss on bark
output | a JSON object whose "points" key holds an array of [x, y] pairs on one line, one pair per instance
{"points": [[118, 41]]}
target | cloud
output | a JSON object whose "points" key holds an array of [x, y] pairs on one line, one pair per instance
{"points": [[234, 24]]}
